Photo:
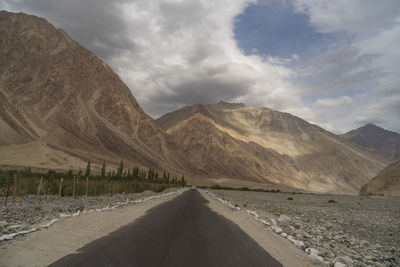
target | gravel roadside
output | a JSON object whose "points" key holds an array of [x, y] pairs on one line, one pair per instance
{"points": [[353, 230], [27, 212]]}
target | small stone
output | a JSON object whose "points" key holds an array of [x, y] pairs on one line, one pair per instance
{"points": [[283, 218], [339, 264], [345, 260]]}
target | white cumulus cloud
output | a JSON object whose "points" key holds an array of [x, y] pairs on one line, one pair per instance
{"points": [[333, 102]]}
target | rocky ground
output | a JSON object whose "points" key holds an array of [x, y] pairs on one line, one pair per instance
{"points": [[28, 212], [353, 230]]}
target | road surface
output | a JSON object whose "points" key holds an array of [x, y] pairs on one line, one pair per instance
{"points": [[181, 232]]}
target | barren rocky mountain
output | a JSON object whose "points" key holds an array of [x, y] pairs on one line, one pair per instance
{"points": [[387, 182], [262, 145], [61, 105], [374, 137]]}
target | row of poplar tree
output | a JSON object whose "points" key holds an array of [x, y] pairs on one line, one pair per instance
{"points": [[150, 175]]}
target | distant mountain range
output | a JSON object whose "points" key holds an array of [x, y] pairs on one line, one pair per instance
{"points": [[372, 136], [61, 106], [262, 145]]}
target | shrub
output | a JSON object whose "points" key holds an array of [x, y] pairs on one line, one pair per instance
{"points": [[216, 186], [289, 198], [331, 201]]}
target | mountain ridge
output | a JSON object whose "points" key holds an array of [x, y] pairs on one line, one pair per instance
{"points": [[374, 137], [58, 96], [387, 182], [273, 146]]}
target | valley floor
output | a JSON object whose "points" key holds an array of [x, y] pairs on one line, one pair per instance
{"points": [[364, 230]]}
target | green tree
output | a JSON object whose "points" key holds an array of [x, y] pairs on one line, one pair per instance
{"points": [[135, 172], [103, 169], [120, 169], [87, 172], [150, 174], [183, 182]]}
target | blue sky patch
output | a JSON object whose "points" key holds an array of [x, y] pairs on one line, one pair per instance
{"points": [[274, 29]]}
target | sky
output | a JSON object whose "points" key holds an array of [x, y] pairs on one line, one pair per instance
{"points": [[334, 63]]}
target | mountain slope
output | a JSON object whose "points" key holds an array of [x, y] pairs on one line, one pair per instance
{"points": [[387, 182], [62, 103], [258, 144], [372, 136]]}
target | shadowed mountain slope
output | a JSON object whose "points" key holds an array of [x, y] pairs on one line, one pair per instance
{"points": [[61, 105], [372, 136], [262, 145], [387, 182]]}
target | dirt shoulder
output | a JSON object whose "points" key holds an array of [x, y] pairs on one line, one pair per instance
{"points": [[67, 235], [277, 246]]}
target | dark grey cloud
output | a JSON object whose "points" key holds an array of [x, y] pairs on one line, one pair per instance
{"points": [[205, 91], [96, 24]]}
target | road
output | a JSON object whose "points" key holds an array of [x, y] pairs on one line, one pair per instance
{"points": [[180, 232]]}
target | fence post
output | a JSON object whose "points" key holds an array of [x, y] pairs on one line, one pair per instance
{"points": [[39, 187], [60, 188], [95, 187], [47, 188], [74, 187], [87, 186], [111, 191], [15, 187], [8, 190]]}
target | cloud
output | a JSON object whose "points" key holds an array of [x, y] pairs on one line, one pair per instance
{"points": [[363, 63], [173, 53], [333, 102], [353, 16], [170, 53]]}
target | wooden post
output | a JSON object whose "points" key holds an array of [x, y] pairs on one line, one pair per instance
{"points": [[8, 191], [137, 180], [60, 188], [47, 189], [87, 186], [15, 187], [74, 188], [39, 187], [95, 187]]}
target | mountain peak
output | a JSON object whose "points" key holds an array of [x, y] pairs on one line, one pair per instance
{"points": [[373, 136], [227, 105], [371, 125]]}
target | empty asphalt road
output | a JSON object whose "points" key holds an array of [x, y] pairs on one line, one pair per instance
{"points": [[181, 232]]}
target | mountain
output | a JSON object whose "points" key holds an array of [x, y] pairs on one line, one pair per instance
{"points": [[374, 137], [387, 182], [233, 141], [61, 105]]}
